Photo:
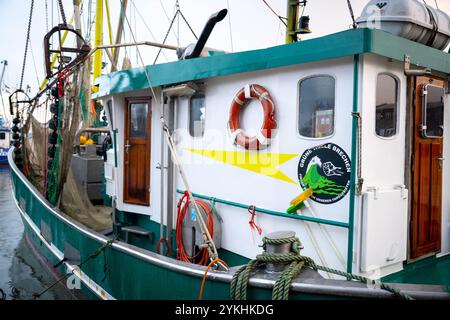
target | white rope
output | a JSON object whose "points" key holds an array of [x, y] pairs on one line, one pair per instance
{"points": [[317, 248], [229, 26], [327, 235]]}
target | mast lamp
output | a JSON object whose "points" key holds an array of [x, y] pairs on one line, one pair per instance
{"points": [[297, 23]]}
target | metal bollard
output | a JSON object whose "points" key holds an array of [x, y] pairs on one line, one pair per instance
{"points": [[278, 248]]}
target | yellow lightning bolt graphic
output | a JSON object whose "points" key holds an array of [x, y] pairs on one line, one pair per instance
{"points": [[263, 163]]}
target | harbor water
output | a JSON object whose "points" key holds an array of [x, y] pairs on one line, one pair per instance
{"points": [[21, 273]]}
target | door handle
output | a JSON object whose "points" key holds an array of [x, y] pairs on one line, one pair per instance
{"points": [[127, 147], [441, 160]]}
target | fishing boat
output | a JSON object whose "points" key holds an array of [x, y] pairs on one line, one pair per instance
{"points": [[342, 191], [4, 144]]}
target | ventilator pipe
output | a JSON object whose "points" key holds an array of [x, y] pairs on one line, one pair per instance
{"points": [[213, 20]]}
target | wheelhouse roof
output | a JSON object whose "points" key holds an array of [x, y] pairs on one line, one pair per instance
{"points": [[342, 44]]}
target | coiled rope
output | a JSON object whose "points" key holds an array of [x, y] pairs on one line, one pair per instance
{"points": [[202, 256], [295, 261]]}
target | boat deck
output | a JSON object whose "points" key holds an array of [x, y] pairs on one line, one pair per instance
{"points": [[428, 271]]}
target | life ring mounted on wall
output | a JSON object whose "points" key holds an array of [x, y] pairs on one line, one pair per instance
{"points": [[264, 136]]}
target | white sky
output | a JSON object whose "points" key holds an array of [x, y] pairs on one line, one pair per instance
{"points": [[253, 26]]}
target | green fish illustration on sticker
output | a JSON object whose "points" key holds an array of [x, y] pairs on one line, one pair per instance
{"points": [[325, 169]]}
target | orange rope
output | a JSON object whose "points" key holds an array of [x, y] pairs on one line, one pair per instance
{"points": [[183, 206], [200, 296]]}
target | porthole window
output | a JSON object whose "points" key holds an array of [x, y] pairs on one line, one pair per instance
{"points": [[386, 106], [316, 107], [197, 113]]}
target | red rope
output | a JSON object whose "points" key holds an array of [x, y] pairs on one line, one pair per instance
{"points": [[203, 254], [253, 225], [158, 245], [62, 76]]}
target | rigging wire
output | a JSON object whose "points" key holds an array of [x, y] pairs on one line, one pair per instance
{"points": [[177, 7], [5, 64], [136, 33], [166, 36], [187, 23], [229, 26], [61, 10], [34, 64], [167, 16], [147, 27], [282, 19], [46, 15], [26, 44], [437, 6], [350, 8]]}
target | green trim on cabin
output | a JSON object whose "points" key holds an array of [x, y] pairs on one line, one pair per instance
{"points": [[355, 143], [343, 44], [270, 212]]}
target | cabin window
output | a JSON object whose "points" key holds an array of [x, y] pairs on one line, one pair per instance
{"points": [[316, 107], [386, 106], [433, 112], [197, 115], [138, 120], [2, 136]]}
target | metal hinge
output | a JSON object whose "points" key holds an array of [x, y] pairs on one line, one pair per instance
{"points": [[375, 191]]}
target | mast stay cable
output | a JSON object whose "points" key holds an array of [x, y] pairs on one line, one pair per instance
{"points": [[61, 11], [350, 8], [282, 19], [229, 26], [178, 12], [147, 27], [26, 44]]}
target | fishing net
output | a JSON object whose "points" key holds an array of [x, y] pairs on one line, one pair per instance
{"points": [[58, 182]]}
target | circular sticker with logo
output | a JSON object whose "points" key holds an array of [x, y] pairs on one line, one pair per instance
{"points": [[326, 170]]}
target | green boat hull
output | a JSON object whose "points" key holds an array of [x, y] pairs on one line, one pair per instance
{"points": [[125, 271]]}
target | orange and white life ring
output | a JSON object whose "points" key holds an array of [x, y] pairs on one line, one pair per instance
{"points": [[242, 98]]}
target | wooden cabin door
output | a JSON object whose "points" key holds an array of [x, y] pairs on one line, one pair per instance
{"points": [[427, 167], [137, 151]]}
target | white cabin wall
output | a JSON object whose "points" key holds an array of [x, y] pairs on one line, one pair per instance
{"points": [[445, 244], [382, 160], [216, 179]]}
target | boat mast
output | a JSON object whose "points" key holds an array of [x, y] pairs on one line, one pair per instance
{"points": [[5, 64], [296, 22], [98, 42], [292, 16], [119, 33]]}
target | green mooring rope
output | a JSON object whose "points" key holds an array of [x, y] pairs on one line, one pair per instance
{"points": [[295, 261]]}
